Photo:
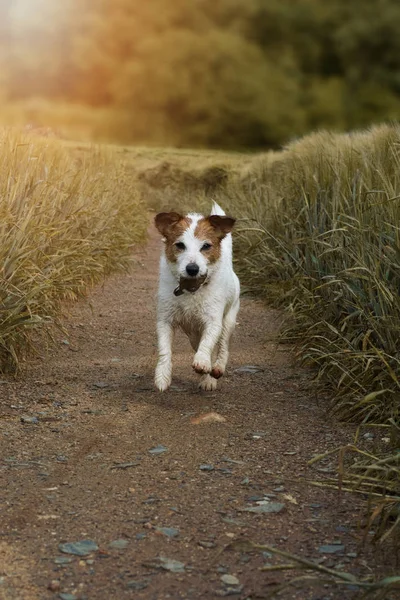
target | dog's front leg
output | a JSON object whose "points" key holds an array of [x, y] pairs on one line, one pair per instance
{"points": [[165, 335], [209, 338]]}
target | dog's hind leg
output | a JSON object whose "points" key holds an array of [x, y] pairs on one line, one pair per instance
{"points": [[228, 327], [164, 366]]}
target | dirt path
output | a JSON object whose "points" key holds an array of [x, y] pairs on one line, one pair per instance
{"points": [[66, 478]]}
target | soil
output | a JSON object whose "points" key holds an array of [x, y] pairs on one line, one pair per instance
{"points": [[85, 470]]}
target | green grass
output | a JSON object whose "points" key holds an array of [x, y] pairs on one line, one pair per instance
{"points": [[67, 219]]}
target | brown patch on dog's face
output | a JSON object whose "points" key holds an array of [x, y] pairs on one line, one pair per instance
{"points": [[171, 226], [212, 230]]}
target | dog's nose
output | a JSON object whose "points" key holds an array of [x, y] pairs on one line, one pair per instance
{"points": [[192, 269]]}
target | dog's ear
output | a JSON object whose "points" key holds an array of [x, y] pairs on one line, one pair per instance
{"points": [[163, 221], [222, 225]]}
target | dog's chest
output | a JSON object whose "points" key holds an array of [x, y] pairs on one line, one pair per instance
{"points": [[193, 311]]}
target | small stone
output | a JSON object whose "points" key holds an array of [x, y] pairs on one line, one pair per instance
{"points": [[331, 548], [140, 536], [65, 596], [119, 544], [225, 471], [82, 548], [229, 591], [268, 507], [63, 560], [172, 565], [206, 468], [169, 532], [160, 449], [29, 420], [138, 585], [230, 580], [54, 585], [342, 529], [206, 544], [101, 385]]}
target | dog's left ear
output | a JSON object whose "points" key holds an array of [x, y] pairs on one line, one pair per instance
{"points": [[222, 225], [163, 221]]}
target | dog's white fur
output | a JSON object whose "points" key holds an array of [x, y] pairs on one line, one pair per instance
{"points": [[208, 316]]}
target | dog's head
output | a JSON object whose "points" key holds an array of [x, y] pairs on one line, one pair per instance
{"points": [[193, 242]]}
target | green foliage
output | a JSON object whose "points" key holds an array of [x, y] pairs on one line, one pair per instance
{"points": [[221, 74]]}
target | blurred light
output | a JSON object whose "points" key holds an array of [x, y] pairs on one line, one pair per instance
{"points": [[25, 13]]}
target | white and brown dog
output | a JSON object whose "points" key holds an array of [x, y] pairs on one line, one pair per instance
{"points": [[198, 292]]}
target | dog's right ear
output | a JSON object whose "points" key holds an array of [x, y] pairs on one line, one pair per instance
{"points": [[163, 221]]}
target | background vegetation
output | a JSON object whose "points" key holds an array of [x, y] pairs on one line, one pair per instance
{"points": [[319, 235], [67, 219], [231, 73]]}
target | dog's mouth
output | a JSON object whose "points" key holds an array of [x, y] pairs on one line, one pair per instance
{"points": [[189, 284]]}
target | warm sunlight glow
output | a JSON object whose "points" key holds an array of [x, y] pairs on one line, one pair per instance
{"points": [[27, 13]]}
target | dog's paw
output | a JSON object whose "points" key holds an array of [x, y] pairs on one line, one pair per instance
{"points": [[217, 372], [208, 383], [201, 364], [162, 379]]}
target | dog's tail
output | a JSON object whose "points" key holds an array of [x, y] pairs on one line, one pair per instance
{"points": [[217, 210]]}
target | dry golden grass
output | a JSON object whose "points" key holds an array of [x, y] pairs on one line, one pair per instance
{"points": [[67, 219]]}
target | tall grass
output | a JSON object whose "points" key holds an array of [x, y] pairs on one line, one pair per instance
{"points": [[319, 234], [66, 221], [329, 236]]}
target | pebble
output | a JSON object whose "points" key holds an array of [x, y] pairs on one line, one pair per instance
{"points": [[62, 560], [82, 548], [64, 596], [205, 544], [230, 579], [29, 420], [54, 585], [331, 548], [169, 532], [206, 468], [119, 544], [137, 585], [100, 385], [160, 449], [172, 565], [269, 507]]}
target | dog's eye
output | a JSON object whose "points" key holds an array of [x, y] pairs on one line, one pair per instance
{"points": [[180, 246], [206, 246]]}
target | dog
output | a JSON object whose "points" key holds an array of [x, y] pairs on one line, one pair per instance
{"points": [[198, 292]]}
